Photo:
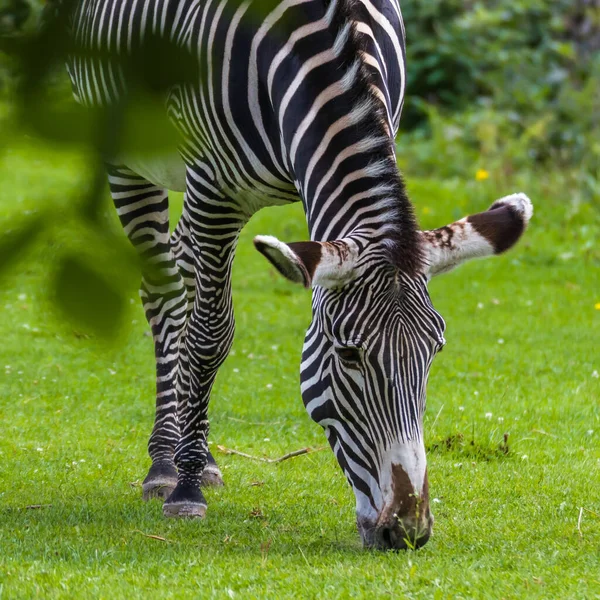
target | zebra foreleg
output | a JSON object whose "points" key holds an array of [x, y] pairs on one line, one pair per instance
{"points": [[206, 340], [143, 209], [182, 246]]}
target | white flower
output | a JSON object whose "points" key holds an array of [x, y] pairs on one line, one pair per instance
{"points": [[595, 374], [236, 370], [461, 408], [501, 341], [436, 500], [269, 386], [524, 457], [500, 419], [22, 297], [267, 440], [488, 415], [40, 449], [480, 305]]}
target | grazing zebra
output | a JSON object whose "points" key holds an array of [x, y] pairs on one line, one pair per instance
{"points": [[301, 102]]}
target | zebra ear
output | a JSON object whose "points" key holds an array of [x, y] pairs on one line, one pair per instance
{"points": [[491, 232], [327, 264]]}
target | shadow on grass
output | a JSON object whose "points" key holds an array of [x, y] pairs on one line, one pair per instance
{"points": [[76, 529]]}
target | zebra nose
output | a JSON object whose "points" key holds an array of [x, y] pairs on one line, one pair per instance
{"points": [[401, 536]]}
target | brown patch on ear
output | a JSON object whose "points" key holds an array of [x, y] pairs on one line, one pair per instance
{"points": [[309, 253], [501, 226], [444, 236]]}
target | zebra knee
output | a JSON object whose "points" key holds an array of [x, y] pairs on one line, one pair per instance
{"points": [[208, 358]]}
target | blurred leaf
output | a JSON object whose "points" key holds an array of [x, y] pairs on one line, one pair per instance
{"points": [[13, 15], [88, 299], [64, 123], [137, 137], [14, 244], [91, 206]]}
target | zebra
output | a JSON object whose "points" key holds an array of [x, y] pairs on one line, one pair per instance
{"points": [[299, 102]]}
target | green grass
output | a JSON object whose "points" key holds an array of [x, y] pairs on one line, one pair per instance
{"points": [[522, 358]]}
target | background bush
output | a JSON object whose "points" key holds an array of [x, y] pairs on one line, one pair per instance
{"points": [[513, 77]]}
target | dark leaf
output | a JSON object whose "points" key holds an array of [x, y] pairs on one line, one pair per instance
{"points": [[14, 243], [87, 298]]}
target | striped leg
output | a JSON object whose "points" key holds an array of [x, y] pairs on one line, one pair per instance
{"points": [[215, 223], [143, 209], [182, 247]]}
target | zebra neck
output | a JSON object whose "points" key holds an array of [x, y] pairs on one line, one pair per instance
{"points": [[334, 115], [354, 193]]}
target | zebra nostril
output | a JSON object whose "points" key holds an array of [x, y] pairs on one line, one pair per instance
{"points": [[423, 539], [398, 537], [389, 538], [386, 537]]}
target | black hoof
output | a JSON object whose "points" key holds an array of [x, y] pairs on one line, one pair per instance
{"points": [[186, 501], [211, 476], [160, 481]]}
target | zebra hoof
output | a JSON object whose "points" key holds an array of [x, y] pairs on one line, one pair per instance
{"points": [[160, 481], [184, 510], [186, 501], [211, 476], [157, 489]]}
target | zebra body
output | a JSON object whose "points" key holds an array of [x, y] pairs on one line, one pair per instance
{"points": [[299, 102], [261, 142]]}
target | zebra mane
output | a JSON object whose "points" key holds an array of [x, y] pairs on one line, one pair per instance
{"points": [[400, 231]]}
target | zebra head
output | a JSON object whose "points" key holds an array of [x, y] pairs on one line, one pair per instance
{"points": [[367, 355]]}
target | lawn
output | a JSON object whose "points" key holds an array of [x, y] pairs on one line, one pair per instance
{"points": [[514, 519]]}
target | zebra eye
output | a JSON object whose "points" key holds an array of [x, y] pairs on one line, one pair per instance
{"points": [[347, 355]]}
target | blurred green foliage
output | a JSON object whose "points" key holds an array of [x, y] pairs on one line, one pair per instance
{"points": [[17, 18]]}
